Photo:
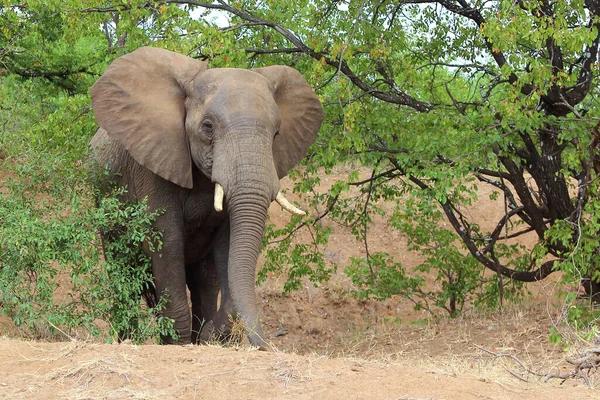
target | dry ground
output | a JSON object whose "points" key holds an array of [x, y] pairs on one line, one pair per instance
{"points": [[84, 371], [327, 346]]}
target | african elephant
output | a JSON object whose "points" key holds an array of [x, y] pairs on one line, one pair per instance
{"points": [[209, 147]]}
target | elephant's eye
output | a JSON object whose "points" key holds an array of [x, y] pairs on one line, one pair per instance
{"points": [[208, 127], [277, 132]]}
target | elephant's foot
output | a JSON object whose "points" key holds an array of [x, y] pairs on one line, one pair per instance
{"points": [[222, 332], [181, 340], [230, 331]]}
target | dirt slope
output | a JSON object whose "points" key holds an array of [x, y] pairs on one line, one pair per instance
{"points": [[83, 370]]}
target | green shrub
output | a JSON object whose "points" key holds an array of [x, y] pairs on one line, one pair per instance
{"points": [[53, 275], [53, 272]]}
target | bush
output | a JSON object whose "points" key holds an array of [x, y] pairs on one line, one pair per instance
{"points": [[53, 274]]}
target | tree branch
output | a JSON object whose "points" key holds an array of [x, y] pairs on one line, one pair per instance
{"points": [[395, 97], [37, 73], [288, 50]]}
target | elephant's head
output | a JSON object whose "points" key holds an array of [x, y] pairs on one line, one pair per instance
{"points": [[243, 129]]}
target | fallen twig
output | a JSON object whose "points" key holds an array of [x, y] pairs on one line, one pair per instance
{"points": [[588, 362], [517, 375], [515, 359]]}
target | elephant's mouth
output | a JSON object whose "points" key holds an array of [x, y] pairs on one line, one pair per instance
{"points": [[280, 199]]}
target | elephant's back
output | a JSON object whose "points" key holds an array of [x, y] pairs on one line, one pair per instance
{"points": [[115, 166], [106, 152], [110, 162]]}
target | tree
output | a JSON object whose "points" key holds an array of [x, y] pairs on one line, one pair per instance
{"points": [[500, 91]]}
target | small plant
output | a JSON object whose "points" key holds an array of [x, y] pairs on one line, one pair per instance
{"points": [[454, 273], [126, 274]]}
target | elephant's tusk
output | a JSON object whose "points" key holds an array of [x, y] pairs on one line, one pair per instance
{"points": [[283, 202], [218, 197]]}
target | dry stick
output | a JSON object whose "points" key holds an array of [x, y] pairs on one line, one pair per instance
{"points": [[588, 361], [71, 338], [564, 377], [515, 359], [517, 375]]}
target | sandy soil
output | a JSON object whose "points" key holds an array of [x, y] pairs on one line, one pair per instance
{"points": [[326, 346], [83, 371]]}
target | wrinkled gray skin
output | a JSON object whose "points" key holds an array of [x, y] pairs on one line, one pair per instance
{"points": [[170, 129]]}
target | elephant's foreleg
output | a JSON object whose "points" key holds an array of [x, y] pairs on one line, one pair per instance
{"points": [[204, 292], [168, 269], [221, 324]]}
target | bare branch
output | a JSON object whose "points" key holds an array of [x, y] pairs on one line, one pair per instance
{"points": [[498, 230], [386, 150], [588, 362], [389, 173], [515, 359], [38, 73], [584, 81], [289, 50]]}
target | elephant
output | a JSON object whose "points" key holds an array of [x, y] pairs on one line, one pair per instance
{"points": [[208, 146]]}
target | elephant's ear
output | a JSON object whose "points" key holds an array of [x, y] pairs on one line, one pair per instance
{"points": [[139, 101], [301, 116]]}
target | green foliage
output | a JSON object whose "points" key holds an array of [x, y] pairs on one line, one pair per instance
{"points": [[53, 275], [458, 280], [127, 272], [579, 321], [302, 260], [433, 98]]}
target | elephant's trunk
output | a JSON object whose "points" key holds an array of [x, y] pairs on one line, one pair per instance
{"points": [[247, 216], [244, 167]]}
